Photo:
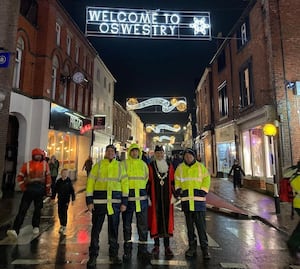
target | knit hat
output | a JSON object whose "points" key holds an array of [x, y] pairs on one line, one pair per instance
{"points": [[190, 151], [111, 146], [158, 148]]}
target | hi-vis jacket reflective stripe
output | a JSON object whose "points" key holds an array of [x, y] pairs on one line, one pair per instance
{"points": [[107, 184], [34, 171], [295, 184], [138, 174], [192, 180]]}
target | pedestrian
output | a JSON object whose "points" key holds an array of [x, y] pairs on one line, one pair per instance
{"points": [[237, 174], [294, 239], [88, 164], [35, 182], [64, 190], [161, 210], [106, 194], [54, 166], [192, 182], [138, 174]]}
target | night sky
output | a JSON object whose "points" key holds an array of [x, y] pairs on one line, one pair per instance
{"points": [[150, 68]]}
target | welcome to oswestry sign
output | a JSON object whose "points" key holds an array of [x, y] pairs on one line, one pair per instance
{"points": [[140, 23]]}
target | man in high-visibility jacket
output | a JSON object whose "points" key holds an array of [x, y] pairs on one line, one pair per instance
{"points": [[106, 194], [138, 173], [35, 181], [192, 182]]}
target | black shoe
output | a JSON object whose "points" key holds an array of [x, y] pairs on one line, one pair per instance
{"points": [[126, 257], [115, 260], [145, 256], [206, 255], [92, 262], [168, 252], [191, 252]]}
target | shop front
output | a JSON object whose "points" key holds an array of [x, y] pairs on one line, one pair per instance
{"points": [[257, 150], [69, 139], [225, 148]]}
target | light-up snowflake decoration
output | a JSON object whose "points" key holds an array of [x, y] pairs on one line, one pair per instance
{"points": [[199, 26]]}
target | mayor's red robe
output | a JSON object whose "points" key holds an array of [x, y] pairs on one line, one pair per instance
{"points": [[161, 211]]}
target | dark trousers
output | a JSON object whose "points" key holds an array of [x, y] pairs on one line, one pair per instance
{"points": [[113, 227], [63, 212], [53, 180], [237, 182], [294, 239], [196, 218], [166, 242], [27, 198], [142, 227]]}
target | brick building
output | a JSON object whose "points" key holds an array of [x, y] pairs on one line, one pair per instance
{"points": [[52, 87], [252, 81]]}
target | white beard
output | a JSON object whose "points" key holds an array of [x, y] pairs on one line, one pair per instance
{"points": [[162, 166]]}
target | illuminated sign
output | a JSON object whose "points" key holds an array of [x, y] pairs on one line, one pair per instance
{"points": [[157, 129], [141, 23], [99, 122], [167, 104], [66, 120]]}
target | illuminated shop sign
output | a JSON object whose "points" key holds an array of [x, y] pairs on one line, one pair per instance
{"points": [[140, 23], [63, 119], [167, 104], [158, 128]]}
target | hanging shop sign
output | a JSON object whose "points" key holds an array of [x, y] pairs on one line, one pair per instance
{"points": [[99, 122], [141, 23], [4, 59]]}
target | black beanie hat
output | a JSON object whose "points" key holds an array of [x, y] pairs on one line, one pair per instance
{"points": [[111, 146], [158, 148], [190, 151]]}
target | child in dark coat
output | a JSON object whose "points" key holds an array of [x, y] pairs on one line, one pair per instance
{"points": [[237, 174], [64, 190]]}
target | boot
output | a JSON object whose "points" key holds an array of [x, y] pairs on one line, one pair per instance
{"points": [[205, 253], [127, 251], [92, 262], [155, 252], [192, 250], [115, 260], [143, 253]]}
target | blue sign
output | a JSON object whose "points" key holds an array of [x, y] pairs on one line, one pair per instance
{"points": [[4, 59]]}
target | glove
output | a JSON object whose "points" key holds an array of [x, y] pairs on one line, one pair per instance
{"points": [[178, 193], [149, 201]]}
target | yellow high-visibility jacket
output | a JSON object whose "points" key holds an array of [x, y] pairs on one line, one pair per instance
{"points": [[194, 183], [295, 184], [107, 186], [138, 175]]}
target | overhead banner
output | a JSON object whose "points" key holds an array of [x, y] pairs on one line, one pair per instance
{"points": [[141, 23], [166, 104]]}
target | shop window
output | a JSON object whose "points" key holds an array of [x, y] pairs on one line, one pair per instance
{"points": [[253, 157], [226, 155], [64, 147]]}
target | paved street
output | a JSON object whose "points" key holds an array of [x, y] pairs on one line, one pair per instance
{"points": [[238, 236]]}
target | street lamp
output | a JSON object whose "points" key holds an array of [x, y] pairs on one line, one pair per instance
{"points": [[270, 131]]}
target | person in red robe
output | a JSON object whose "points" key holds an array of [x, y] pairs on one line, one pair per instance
{"points": [[161, 209]]}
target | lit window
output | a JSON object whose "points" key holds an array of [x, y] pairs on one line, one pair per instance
{"points": [[246, 91], [55, 66]]}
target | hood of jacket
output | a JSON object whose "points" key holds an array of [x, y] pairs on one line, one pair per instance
{"points": [[134, 146]]}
